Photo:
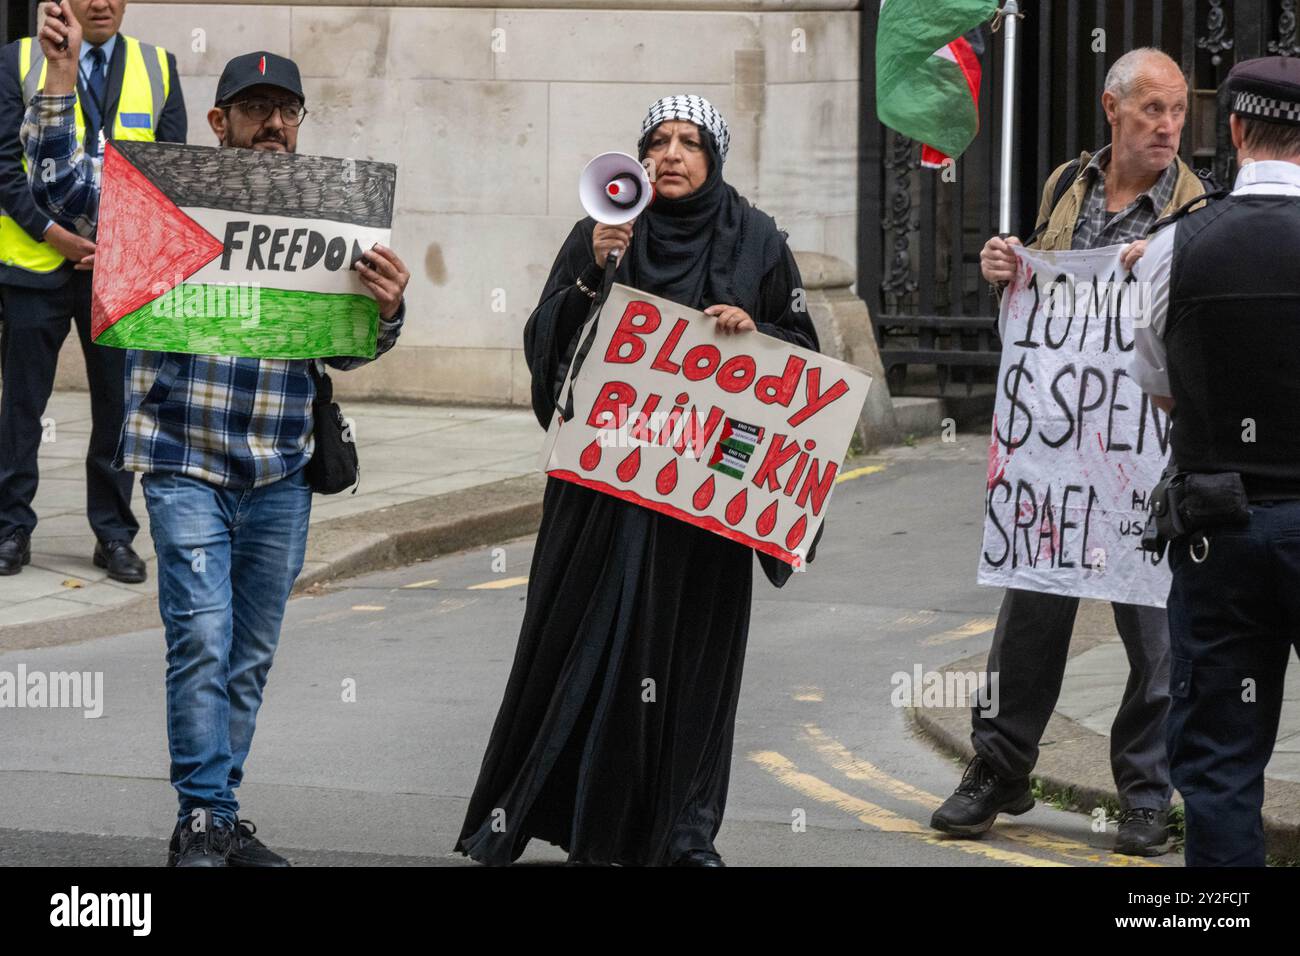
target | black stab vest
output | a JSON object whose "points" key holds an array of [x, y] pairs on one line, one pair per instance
{"points": [[1233, 342]]}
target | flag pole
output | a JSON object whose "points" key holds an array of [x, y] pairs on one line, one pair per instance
{"points": [[1009, 15]]}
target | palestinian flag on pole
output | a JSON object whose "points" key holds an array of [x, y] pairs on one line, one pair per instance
{"points": [[928, 72], [237, 252]]}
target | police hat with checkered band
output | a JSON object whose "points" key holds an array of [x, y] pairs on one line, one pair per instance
{"points": [[1266, 88]]}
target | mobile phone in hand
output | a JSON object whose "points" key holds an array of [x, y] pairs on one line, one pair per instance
{"points": [[58, 15]]}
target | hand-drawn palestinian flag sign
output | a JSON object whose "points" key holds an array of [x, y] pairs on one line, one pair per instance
{"points": [[237, 251]]}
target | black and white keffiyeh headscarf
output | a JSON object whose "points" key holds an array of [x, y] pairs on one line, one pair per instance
{"points": [[709, 247], [693, 109]]}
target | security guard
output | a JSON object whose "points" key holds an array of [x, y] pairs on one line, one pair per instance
{"points": [[1222, 353], [127, 90]]}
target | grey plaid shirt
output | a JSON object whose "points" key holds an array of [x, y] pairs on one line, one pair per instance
{"points": [[1097, 227]]}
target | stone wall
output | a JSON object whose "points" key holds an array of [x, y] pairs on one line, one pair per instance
{"points": [[490, 113]]}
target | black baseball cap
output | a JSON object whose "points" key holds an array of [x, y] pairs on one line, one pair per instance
{"points": [[255, 69]]}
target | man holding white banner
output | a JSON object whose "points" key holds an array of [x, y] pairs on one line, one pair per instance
{"points": [[1072, 435]]}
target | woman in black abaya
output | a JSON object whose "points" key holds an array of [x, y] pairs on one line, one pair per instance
{"points": [[614, 738]]}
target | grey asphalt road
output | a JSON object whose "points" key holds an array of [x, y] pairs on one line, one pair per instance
{"points": [[826, 769]]}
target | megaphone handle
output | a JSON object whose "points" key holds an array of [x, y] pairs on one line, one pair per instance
{"points": [[611, 266]]}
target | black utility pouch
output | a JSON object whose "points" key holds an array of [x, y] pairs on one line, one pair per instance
{"points": [[1185, 503], [1214, 501]]}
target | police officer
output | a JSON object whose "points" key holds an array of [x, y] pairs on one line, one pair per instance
{"points": [[1222, 353], [126, 90]]}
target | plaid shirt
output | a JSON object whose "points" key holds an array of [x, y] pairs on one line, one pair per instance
{"points": [[1098, 227], [233, 422], [65, 180]]}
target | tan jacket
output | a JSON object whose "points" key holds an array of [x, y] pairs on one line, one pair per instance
{"points": [[1059, 233]]}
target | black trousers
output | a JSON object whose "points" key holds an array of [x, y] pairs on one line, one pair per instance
{"points": [[35, 323], [1234, 619], [1030, 650]]}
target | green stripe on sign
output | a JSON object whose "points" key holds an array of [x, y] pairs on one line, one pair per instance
{"points": [[253, 323], [744, 446], [733, 472]]}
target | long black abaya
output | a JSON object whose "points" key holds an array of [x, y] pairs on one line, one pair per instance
{"points": [[614, 738]]}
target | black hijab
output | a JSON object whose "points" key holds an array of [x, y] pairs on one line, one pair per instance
{"points": [[709, 248]]}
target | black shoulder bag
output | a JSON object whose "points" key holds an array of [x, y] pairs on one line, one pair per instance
{"points": [[333, 466]]}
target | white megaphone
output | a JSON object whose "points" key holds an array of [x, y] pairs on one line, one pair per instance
{"points": [[614, 188]]}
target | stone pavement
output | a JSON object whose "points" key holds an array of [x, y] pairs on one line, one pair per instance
{"points": [[408, 453], [1090, 697]]}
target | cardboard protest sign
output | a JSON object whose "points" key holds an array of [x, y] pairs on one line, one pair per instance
{"points": [[237, 251], [741, 435], [1076, 446]]}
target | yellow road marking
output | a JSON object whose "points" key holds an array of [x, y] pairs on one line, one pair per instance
{"points": [[498, 585], [878, 817], [367, 607], [912, 619], [860, 473], [855, 768], [808, 693], [421, 584], [973, 627]]}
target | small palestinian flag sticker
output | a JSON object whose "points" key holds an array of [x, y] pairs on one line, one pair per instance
{"points": [[732, 453]]}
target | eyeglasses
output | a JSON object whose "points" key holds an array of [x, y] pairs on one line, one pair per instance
{"points": [[260, 110]]}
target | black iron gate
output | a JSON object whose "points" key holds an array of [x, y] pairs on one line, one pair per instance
{"points": [[919, 236]]}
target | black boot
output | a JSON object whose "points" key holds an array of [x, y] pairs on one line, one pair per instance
{"points": [[1143, 832], [15, 551], [978, 800]]}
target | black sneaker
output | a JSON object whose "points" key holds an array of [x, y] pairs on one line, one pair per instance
{"points": [[207, 847], [1143, 832], [248, 850], [978, 800]]}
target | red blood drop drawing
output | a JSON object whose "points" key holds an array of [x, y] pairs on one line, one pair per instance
{"points": [[630, 465], [767, 520], [590, 457], [667, 479], [736, 508], [796, 533], [704, 494]]}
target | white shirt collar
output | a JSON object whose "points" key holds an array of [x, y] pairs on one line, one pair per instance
{"points": [[1268, 171]]}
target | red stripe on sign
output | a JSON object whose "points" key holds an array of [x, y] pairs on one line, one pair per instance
{"points": [[705, 522]]}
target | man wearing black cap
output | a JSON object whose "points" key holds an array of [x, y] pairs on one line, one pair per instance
{"points": [[1221, 350], [222, 443]]}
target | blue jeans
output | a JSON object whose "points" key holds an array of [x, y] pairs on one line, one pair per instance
{"points": [[1233, 620], [227, 560]]}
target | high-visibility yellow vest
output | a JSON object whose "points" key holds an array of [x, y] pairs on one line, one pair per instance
{"points": [[146, 83]]}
